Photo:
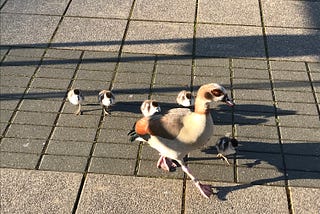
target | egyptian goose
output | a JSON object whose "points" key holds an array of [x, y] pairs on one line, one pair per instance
{"points": [[150, 107], [226, 146], [181, 131], [185, 98], [75, 97], [106, 100]]}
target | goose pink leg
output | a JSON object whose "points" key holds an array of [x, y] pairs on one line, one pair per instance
{"points": [[166, 164], [205, 189]]}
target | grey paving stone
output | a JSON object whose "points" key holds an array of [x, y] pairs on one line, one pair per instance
{"points": [[62, 54], [60, 63], [29, 131], [303, 179], [90, 86], [109, 193], [94, 60], [293, 44], [286, 85], [287, 66], [95, 75], [116, 150], [63, 163], [174, 60], [18, 160], [294, 96], [106, 37], [305, 121], [59, 73], [27, 30], [161, 10], [210, 172], [46, 94], [265, 132], [172, 80], [20, 188], [305, 200], [35, 118], [314, 67], [209, 61], [50, 83], [112, 166], [233, 198], [249, 63], [78, 148], [254, 118], [20, 61], [159, 38], [109, 9], [128, 67], [229, 41], [11, 93], [304, 134], [5, 115], [251, 84], [222, 80], [2, 128], [148, 168], [259, 160], [26, 145], [142, 58], [257, 106], [83, 121], [297, 108], [9, 104], [245, 73], [305, 163], [35, 7], [15, 81], [273, 14], [119, 123], [74, 134], [173, 69], [17, 71], [289, 75], [140, 77], [27, 52], [263, 176], [301, 147], [211, 72], [227, 12], [114, 136], [258, 145], [40, 105]]}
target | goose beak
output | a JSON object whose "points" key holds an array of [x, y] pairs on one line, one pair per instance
{"points": [[228, 101]]}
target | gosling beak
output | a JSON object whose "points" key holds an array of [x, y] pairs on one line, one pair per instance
{"points": [[228, 101]]}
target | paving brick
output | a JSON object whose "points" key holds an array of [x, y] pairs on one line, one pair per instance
{"points": [[140, 77], [35, 118], [62, 54], [63, 163], [35, 7], [161, 10], [303, 179], [114, 136], [50, 83], [258, 145], [314, 67], [249, 63], [74, 134], [174, 60], [112, 166], [265, 132], [210, 172], [128, 67], [91, 85], [245, 73], [294, 96], [40, 105], [71, 120], [59, 73], [96, 60], [149, 168], [301, 147], [261, 176], [57, 191], [305, 163], [273, 14], [236, 198], [148, 195], [26, 71], [297, 108], [211, 72], [18, 160], [106, 37], [299, 121], [27, 30], [46, 94], [303, 86], [159, 38], [15, 81], [5, 115], [119, 123], [142, 58], [9, 104], [94, 75], [251, 84], [304, 134], [257, 106], [222, 80], [227, 12], [304, 200], [290, 75], [26, 145], [293, 44], [116, 150], [229, 41], [56, 147], [259, 160], [209, 61], [28, 131], [91, 8], [254, 118]]}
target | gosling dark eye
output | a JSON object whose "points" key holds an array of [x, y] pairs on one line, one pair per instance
{"points": [[208, 96], [217, 92], [155, 104], [76, 91], [188, 95]]}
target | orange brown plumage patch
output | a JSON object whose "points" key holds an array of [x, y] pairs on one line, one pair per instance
{"points": [[142, 126]]}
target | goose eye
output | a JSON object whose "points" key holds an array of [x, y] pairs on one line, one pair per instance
{"points": [[217, 92], [76, 91], [208, 96]]}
